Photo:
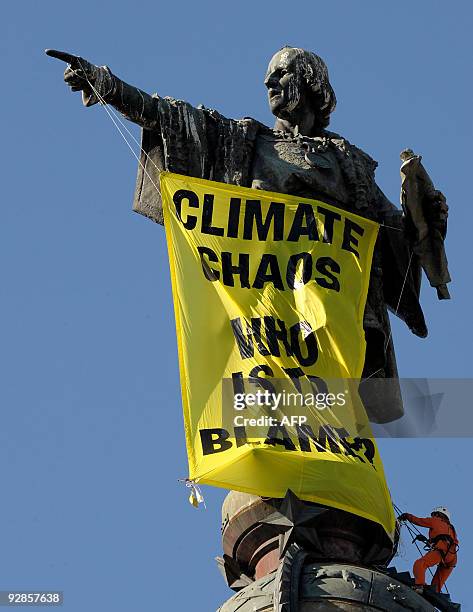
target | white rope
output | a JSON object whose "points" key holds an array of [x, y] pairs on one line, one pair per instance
{"points": [[395, 312], [114, 117], [397, 229], [400, 297]]}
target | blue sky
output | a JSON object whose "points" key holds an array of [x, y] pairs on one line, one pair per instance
{"points": [[91, 436]]}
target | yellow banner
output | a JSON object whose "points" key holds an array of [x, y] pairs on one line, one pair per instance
{"points": [[269, 294]]}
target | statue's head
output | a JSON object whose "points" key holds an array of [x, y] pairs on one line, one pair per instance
{"points": [[298, 80], [406, 154]]}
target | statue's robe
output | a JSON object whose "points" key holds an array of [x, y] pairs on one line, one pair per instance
{"points": [[200, 142]]}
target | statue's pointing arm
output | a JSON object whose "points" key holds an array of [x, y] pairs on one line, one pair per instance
{"points": [[98, 84], [177, 137]]}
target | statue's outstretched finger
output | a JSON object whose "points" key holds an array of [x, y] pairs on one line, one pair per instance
{"points": [[63, 56]]}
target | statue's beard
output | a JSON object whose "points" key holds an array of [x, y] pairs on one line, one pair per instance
{"points": [[293, 98], [286, 107], [289, 100]]}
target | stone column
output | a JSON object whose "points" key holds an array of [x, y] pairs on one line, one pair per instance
{"points": [[289, 556]]}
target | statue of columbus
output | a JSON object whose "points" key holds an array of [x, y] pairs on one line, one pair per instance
{"points": [[299, 156]]}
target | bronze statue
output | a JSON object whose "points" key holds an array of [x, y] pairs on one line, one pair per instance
{"points": [[326, 556], [299, 156]]}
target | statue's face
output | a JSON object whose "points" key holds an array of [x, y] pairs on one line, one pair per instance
{"points": [[406, 154], [285, 82]]}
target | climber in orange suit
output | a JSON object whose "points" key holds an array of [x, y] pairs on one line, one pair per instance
{"points": [[443, 544]]}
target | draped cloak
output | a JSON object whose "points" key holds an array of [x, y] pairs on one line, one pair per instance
{"points": [[200, 142]]}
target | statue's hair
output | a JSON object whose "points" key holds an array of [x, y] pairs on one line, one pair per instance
{"points": [[315, 73], [407, 153]]}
